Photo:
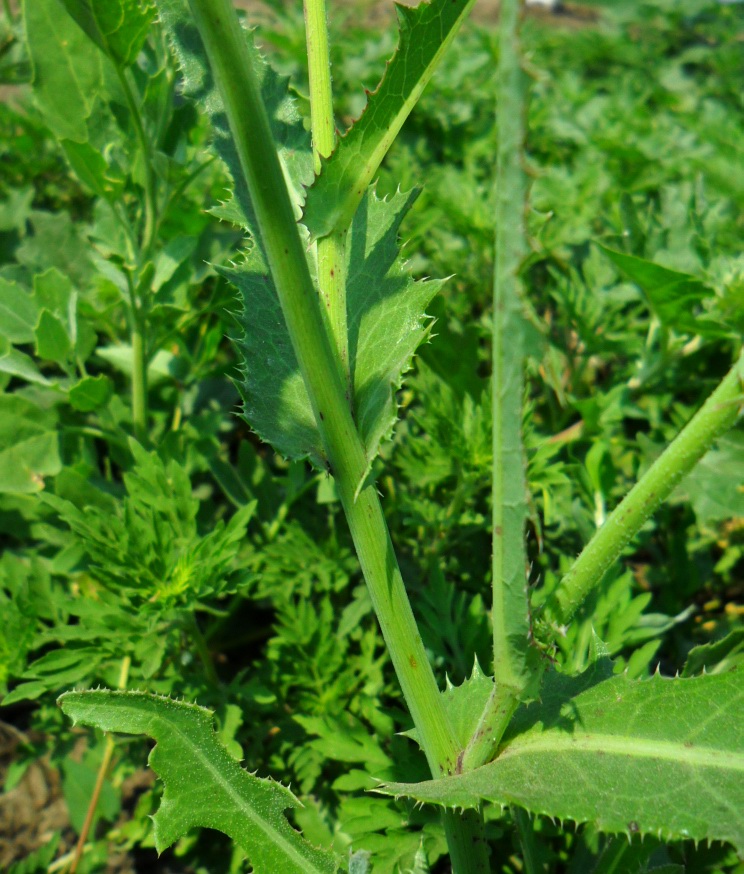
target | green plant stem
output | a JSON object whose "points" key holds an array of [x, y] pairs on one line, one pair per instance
{"points": [[492, 724], [139, 366], [511, 622], [331, 249], [527, 841], [202, 648], [150, 184], [715, 417], [226, 48]]}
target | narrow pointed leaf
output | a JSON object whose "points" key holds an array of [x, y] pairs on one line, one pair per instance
{"points": [[204, 786], [426, 31], [659, 756]]}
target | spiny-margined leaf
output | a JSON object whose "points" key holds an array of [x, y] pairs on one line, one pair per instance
{"points": [[204, 786], [67, 68], [386, 319], [426, 31], [118, 27], [464, 705], [658, 756], [291, 139]]}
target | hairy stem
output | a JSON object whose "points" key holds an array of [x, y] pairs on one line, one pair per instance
{"points": [[511, 623], [331, 249], [150, 183], [715, 417], [226, 48]]}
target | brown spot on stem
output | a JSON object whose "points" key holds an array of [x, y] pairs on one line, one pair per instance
{"points": [[412, 662]]}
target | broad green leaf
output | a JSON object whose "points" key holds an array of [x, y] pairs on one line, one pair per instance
{"points": [[204, 786], [29, 446], [659, 756], [426, 32], [387, 322], [18, 313], [117, 27], [673, 296], [52, 340], [90, 393], [92, 169], [291, 138], [17, 363], [67, 68]]}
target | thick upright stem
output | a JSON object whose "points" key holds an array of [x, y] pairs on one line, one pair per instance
{"points": [[511, 623], [716, 415], [331, 249], [226, 48]]}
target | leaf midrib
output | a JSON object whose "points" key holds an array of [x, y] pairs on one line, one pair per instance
{"points": [[622, 746], [276, 837]]}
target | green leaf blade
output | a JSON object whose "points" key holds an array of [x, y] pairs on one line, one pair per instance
{"points": [[660, 756], [67, 68], [204, 786], [426, 32]]}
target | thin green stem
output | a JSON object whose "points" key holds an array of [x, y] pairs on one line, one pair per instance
{"points": [[715, 417], [530, 855], [139, 365], [202, 648], [331, 249], [226, 48], [492, 724], [150, 186], [511, 622]]}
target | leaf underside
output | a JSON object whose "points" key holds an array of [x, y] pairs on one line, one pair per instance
{"points": [[426, 31], [386, 307], [660, 756], [204, 786]]}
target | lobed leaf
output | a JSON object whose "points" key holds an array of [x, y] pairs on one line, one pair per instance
{"points": [[204, 786], [117, 27], [426, 32], [658, 756]]}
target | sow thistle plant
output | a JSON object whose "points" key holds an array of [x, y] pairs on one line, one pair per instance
{"points": [[330, 320]]}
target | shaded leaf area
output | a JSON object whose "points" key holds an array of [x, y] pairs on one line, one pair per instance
{"points": [[204, 786], [290, 137], [673, 296], [426, 31], [117, 27], [659, 756], [387, 322]]}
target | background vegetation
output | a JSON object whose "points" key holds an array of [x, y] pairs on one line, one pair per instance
{"points": [[160, 545]]}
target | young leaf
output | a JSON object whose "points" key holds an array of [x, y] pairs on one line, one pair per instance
{"points": [[660, 756], [204, 786], [426, 31], [387, 322]]}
